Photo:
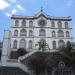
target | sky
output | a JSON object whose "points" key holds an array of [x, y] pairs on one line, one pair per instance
{"points": [[32, 7]]}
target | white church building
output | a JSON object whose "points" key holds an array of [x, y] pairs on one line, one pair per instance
{"points": [[27, 31]]}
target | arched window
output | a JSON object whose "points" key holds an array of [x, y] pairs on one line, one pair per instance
{"points": [[61, 43], [59, 24], [53, 34], [67, 34], [66, 24], [30, 23], [16, 33], [53, 24], [60, 33], [30, 33], [42, 32], [23, 32], [15, 44], [54, 44], [23, 23], [30, 44], [16, 23], [22, 43]]}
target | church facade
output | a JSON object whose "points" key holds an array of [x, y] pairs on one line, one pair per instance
{"points": [[27, 31]]}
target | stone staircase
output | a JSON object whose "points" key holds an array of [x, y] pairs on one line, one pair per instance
{"points": [[27, 55], [18, 63], [23, 66]]}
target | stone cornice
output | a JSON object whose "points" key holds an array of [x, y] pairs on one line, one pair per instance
{"points": [[50, 18], [42, 27], [68, 18], [43, 37]]}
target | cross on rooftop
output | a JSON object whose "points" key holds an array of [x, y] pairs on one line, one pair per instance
{"points": [[41, 8]]}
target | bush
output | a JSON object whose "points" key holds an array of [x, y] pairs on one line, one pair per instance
{"points": [[21, 52]]}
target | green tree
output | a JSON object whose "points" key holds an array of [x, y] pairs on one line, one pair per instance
{"points": [[66, 51], [21, 52], [68, 48], [69, 56], [38, 64]]}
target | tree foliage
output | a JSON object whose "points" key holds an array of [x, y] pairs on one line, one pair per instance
{"points": [[38, 64], [21, 52], [69, 56]]}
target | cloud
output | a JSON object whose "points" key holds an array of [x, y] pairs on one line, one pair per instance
{"points": [[19, 7], [8, 14], [3, 4], [12, 7], [12, 1], [70, 2], [14, 11]]}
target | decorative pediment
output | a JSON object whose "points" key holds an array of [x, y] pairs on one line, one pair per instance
{"points": [[41, 14]]}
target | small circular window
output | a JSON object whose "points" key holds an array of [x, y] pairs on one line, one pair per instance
{"points": [[42, 22]]}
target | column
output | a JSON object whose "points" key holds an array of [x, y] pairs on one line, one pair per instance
{"points": [[6, 47]]}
